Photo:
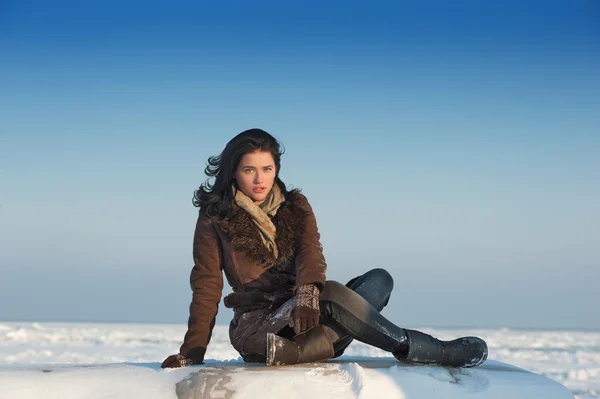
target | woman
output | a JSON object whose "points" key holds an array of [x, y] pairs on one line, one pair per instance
{"points": [[265, 239]]}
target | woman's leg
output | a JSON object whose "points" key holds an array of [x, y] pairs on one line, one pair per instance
{"points": [[346, 312], [375, 286], [322, 342]]}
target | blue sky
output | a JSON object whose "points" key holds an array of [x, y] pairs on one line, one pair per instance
{"points": [[453, 143]]}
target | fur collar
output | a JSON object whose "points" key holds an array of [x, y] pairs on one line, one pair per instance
{"points": [[245, 237]]}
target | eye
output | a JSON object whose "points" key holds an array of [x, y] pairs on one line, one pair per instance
{"points": [[268, 169], [248, 170]]}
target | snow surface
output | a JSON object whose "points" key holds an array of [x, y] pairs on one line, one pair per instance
{"points": [[86, 360]]}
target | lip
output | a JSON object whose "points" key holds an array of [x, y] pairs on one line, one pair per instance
{"points": [[259, 189]]}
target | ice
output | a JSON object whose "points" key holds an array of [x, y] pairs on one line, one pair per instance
{"points": [[82, 357]]}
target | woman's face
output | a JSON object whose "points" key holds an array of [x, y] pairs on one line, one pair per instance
{"points": [[255, 175]]}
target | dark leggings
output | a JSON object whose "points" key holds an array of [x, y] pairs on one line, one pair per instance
{"points": [[352, 312]]}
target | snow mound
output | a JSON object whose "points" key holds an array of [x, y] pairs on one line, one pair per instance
{"points": [[356, 378], [367, 378]]}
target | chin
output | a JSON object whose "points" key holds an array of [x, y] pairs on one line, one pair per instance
{"points": [[258, 197]]}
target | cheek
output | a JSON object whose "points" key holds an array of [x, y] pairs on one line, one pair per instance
{"points": [[243, 180], [239, 178]]}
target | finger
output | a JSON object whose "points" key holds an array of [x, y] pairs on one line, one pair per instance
{"points": [[168, 363], [309, 323], [303, 324]]}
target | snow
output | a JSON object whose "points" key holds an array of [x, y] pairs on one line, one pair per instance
{"points": [[94, 360], [114, 381]]}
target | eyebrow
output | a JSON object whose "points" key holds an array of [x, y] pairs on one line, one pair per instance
{"points": [[254, 167]]}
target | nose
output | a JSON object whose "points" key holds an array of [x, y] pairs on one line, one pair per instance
{"points": [[258, 178]]}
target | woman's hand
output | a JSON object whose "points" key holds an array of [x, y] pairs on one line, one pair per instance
{"points": [[175, 361], [306, 314]]}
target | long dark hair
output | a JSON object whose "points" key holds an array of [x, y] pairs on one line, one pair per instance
{"points": [[215, 199]]}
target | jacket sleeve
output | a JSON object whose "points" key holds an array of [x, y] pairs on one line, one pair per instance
{"points": [[311, 267], [206, 281]]}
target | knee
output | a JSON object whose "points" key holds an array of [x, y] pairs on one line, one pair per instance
{"points": [[381, 279]]}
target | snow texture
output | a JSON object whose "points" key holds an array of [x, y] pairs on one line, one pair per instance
{"points": [[72, 360]]}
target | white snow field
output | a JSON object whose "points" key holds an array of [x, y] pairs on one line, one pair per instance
{"points": [[93, 361]]}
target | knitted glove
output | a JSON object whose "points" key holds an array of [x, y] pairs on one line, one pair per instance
{"points": [[306, 313], [175, 361]]}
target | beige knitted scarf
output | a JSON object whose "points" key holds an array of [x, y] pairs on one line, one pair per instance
{"points": [[260, 212]]}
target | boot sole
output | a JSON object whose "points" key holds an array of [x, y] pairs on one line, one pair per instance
{"points": [[271, 347]]}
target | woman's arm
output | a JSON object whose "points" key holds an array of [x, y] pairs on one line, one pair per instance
{"points": [[311, 267], [206, 281], [310, 271]]}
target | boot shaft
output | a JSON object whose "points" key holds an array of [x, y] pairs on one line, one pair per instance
{"points": [[281, 351], [314, 345]]}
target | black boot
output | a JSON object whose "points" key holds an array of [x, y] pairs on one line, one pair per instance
{"points": [[425, 349], [314, 345]]}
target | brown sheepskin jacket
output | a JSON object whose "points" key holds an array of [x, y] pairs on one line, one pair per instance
{"points": [[262, 286]]}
